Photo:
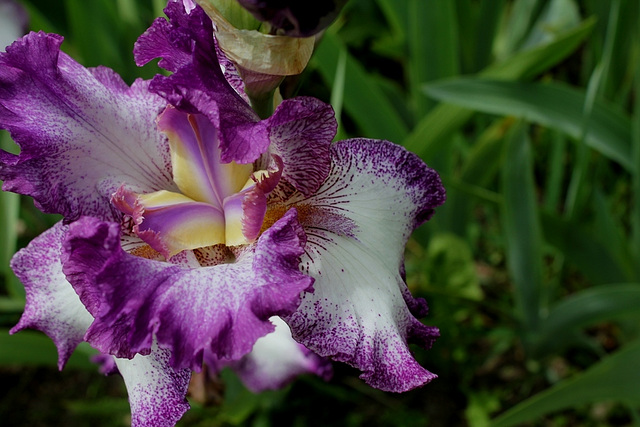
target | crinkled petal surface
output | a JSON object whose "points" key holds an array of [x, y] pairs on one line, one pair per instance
{"points": [[52, 305], [301, 130], [156, 391], [357, 225], [186, 46], [276, 360], [82, 133], [224, 308]]}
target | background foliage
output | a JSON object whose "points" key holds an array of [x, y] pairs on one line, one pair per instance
{"points": [[528, 109]]}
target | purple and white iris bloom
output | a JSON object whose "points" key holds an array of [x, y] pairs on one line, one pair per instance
{"points": [[189, 222]]}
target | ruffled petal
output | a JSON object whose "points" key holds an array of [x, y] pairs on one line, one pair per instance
{"points": [[157, 392], [301, 130], [198, 83], [52, 305], [173, 40], [82, 133], [357, 224], [201, 87], [224, 308], [276, 360]]}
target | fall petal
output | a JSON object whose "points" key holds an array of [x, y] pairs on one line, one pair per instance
{"points": [[224, 308], [52, 305], [82, 132]]}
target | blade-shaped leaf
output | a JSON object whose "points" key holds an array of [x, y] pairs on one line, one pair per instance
{"points": [[614, 378], [585, 308], [445, 119], [583, 250], [363, 99], [521, 226], [554, 105], [433, 47]]}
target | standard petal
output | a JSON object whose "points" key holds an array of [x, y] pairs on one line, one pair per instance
{"points": [[301, 130], [198, 83], [224, 308], [52, 305], [157, 392], [195, 158], [276, 360], [172, 40], [82, 133], [357, 224]]}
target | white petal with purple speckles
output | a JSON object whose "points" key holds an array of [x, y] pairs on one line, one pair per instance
{"points": [[156, 391], [276, 359], [52, 305], [357, 225], [82, 133]]}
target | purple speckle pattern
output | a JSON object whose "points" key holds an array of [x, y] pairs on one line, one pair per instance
{"points": [[223, 308], [360, 311], [186, 46], [301, 130], [82, 133], [52, 306], [156, 391]]}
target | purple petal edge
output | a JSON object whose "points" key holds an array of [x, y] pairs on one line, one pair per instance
{"points": [[224, 308]]}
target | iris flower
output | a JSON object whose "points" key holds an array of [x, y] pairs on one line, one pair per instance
{"points": [[189, 222]]}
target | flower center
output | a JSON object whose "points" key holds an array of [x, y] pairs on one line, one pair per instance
{"points": [[217, 203]]}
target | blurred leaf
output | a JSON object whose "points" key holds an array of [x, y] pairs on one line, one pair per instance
{"points": [[557, 17], [9, 212], [337, 93], [433, 47], [442, 121], [551, 104], [490, 13], [521, 226], [556, 164], [517, 24], [451, 268], [92, 29], [610, 233], [480, 166], [583, 250], [108, 408], [35, 348], [614, 378], [363, 99], [588, 307]]}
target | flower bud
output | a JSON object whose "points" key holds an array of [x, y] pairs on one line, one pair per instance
{"points": [[295, 18]]}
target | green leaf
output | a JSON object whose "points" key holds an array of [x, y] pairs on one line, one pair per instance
{"points": [[363, 99], [521, 226], [614, 378], [35, 348], [551, 104], [9, 212], [433, 47], [588, 307], [583, 250], [442, 121]]}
